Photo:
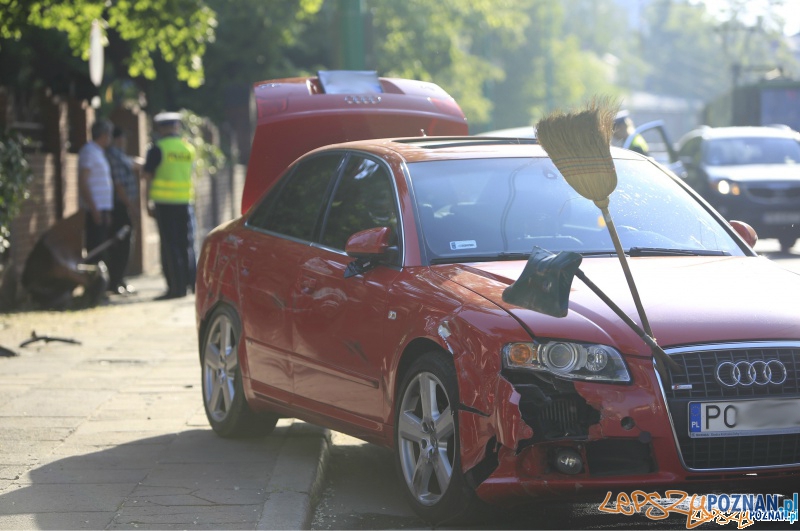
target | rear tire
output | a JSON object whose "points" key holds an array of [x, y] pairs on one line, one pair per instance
{"points": [[223, 393], [427, 444]]}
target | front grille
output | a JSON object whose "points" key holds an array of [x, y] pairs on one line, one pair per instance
{"points": [[774, 194], [697, 381], [564, 417], [559, 416], [738, 452], [700, 367]]}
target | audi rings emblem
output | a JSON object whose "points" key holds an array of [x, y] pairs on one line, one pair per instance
{"points": [[747, 373]]}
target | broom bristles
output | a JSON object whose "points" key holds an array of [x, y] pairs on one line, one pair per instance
{"points": [[579, 144]]}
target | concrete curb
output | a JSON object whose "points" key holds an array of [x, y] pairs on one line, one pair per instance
{"points": [[295, 484]]}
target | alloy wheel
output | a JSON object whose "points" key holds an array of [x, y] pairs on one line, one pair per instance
{"points": [[220, 362], [426, 435]]}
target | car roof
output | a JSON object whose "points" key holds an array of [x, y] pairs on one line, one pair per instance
{"points": [[420, 149], [747, 131], [527, 131]]}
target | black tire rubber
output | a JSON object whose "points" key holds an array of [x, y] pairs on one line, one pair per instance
{"points": [[458, 504], [238, 420], [787, 242]]}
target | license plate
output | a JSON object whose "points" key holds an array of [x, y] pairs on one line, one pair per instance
{"points": [[763, 416], [781, 218]]}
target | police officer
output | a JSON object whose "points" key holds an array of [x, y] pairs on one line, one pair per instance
{"points": [[168, 175], [623, 128]]}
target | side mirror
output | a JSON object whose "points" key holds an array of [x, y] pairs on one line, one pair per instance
{"points": [[744, 230], [369, 243], [368, 247]]}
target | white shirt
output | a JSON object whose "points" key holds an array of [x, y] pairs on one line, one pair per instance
{"points": [[92, 157]]}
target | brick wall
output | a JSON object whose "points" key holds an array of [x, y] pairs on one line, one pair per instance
{"points": [[38, 211], [70, 184], [54, 190], [217, 199]]}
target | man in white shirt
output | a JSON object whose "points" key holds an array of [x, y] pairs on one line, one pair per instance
{"points": [[95, 187]]}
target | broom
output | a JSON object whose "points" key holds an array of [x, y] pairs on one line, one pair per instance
{"points": [[579, 145]]}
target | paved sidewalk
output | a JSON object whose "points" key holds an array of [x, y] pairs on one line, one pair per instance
{"points": [[111, 433]]}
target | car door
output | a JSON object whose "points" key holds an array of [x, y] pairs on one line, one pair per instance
{"points": [[691, 154], [283, 226], [340, 349], [661, 147]]}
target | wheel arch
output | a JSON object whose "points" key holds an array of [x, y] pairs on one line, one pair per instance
{"points": [[415, 349], [205, 320]]}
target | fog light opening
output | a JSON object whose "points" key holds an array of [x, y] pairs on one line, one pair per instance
{"points": [[568, 461], [627, 423]]}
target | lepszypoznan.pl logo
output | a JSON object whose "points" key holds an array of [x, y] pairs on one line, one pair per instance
{"points": [[742, 509]]}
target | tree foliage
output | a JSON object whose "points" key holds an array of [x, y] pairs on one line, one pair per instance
{"points": [[255, 40], [179, 30], [210, 158], [694, 53], [453, 52], [505, 61], [15, 176], [554, 68]]}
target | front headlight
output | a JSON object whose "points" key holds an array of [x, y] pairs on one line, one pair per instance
{"points": [[577, 361], [726, 187]]}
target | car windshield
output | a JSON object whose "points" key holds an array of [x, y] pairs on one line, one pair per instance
{"points": [[502, 208], [755, 150]]}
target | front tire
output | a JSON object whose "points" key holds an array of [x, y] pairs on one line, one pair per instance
{"points": [[787, 242], [223, 393], [427, 442]]}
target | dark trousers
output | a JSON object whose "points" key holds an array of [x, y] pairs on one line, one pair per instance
{"points": [[119, 253], [176, 229], [95, 234]]}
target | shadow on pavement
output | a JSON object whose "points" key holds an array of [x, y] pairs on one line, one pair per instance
{"points": [[190, 480]]}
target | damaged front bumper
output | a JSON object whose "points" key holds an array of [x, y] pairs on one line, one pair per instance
{"points": [[548, 437]]}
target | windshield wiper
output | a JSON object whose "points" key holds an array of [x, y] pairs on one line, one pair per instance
{"points": [[659, 251], [597, 253], [481, 258]]}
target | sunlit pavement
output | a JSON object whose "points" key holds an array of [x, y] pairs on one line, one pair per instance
{"points": [[111, 433]]}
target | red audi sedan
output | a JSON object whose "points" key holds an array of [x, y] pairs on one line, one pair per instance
{"points": [[364, 292]]}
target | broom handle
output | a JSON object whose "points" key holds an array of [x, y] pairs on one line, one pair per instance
{"points": [[658, 352], [628, 276]]}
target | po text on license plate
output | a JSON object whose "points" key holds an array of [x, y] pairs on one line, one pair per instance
{"points": [[763, 416]]}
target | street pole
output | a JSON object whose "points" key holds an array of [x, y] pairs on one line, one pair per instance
{"points": [[352, 34]]}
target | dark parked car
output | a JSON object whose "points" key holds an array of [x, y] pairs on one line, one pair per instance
{"points": [[363, 291], [748, 173]]}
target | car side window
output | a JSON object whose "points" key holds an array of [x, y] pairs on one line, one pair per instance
{"points": [[364, 199], [293, 207]]}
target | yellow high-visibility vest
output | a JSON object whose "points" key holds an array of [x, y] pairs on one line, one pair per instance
{"points": [[172, 182]]}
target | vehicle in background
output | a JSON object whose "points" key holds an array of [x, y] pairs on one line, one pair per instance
{"points": [[767, 102], [661, 149], [297, 114], [750, 174]]}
